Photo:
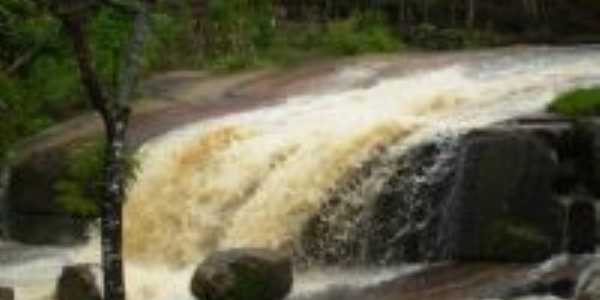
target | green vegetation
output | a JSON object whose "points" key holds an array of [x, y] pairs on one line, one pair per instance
{"points": [[79, 190], [360, 33], [428, 36], [582, 102]]}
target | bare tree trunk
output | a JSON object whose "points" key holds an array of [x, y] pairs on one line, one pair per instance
{"points": [[471, 14], [115, 114], [24, 59], [453, 14], [425, 11], [200, 24], [402, 12]]}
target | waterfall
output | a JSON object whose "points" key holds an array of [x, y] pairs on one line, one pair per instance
{"points": [[323, 163], [255, 179], [259, 178]]}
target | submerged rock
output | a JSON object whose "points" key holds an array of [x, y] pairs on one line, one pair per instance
{"points": [[7, 293], [78, 282], [243, 274]]}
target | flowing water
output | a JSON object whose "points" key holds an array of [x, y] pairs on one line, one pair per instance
{"points": [[256, 178]]}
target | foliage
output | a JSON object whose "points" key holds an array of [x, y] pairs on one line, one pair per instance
{"points": [[170, 35], [429, 36], [361, 33], [79, 191], [235, 31], [18, 113], [579, 102], [109, 30]]}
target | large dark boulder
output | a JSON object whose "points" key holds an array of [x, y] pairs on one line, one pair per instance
{"points": [[243, 274], [78, 282], [502, 205], [7, 293], [487, 195]]}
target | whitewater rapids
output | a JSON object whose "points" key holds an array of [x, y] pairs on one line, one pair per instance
{"points": [[255, 178]]}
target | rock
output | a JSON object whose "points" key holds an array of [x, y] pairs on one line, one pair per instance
{"points": [[488, 195], [41, 170], [7, 293], [398, 226], [78, 282], [502, 206], [581, 228], [587, 153], [34, 216], [243, 274], [588, 285]]}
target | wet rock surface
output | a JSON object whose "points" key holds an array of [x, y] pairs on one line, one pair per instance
{"points": [[515, 191], [243, 274], [502, 206], [398, 227]]}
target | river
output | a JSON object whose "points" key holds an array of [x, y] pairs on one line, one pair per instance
{"points": [[254, 178]]}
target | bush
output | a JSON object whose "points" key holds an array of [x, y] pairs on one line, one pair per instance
{"points": [[80, 189], [18, 113], [428, 36], [582, 102], [361, 33]]}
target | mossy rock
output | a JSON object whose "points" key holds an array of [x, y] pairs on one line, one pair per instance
{"points": [[243, 274], [581, 102]]}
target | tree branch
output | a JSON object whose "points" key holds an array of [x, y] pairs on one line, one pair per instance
{"points": [[89, 76], [130, 72], [24, 59]]}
